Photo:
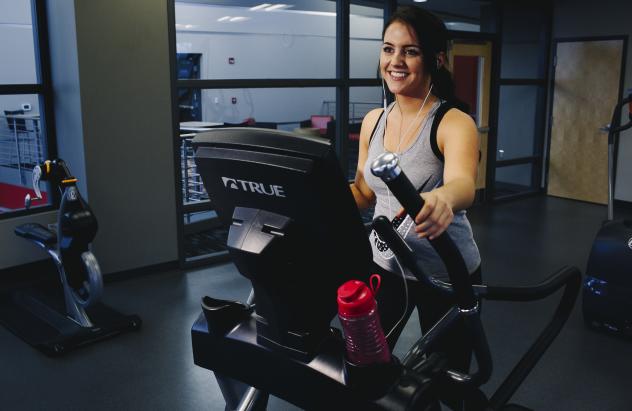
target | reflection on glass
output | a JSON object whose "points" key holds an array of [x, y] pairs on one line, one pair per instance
{"points": [[523, 41], [281, 108], [514, 179], [299, 110], [17, 43], [365, 39], [517, 121], [361, 101], [289, 40], [22, 146]]}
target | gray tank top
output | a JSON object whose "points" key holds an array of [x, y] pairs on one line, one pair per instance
{"points": [[425, 171]]}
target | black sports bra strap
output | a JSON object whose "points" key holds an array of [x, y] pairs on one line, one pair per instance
{"points": [[443, 108], [375, 126]]}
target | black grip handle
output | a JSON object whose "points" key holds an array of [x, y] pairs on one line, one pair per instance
{"points": [[406, 194], [384, 228], [386, 167], [615, 123]]}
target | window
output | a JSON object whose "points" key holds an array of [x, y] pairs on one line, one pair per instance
{"points": [[302, 66], [24, 139]]}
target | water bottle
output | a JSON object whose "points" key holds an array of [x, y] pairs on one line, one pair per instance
{"points": [[357, 310]]}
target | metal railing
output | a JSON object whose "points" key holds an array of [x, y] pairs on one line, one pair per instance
{"points": [[21, 145], [192, 187]]}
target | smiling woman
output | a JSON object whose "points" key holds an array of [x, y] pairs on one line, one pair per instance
{"points": [[437, 145]]}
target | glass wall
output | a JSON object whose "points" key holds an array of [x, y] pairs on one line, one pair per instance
{"points": [[522, 99], [519, 122], [365, 39], [23, 140], [243, 40], [249, 63]]}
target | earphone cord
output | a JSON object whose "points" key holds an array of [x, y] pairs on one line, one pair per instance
{"points": [[399, 144], [390, 210], [401, 270]]}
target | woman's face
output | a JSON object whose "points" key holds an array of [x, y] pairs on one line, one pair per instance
{"points": [[401, 61]]}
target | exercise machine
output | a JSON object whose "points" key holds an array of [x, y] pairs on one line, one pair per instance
{"points": [[296, 234], [40, 318], [607, 293]]}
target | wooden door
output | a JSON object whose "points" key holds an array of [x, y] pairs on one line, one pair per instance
{"points": [[586, 89], [471, 65]]}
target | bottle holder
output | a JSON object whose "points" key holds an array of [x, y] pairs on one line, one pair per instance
{"points": [[374, 379], [223, 315]]}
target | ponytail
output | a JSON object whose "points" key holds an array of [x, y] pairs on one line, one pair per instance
{"points": [[443, 88]]}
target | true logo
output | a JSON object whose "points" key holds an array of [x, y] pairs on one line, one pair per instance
{"points": [[230, 183], [254, 187]]}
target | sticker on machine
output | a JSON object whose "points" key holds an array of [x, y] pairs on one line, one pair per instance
{"points": [[402, 226]]}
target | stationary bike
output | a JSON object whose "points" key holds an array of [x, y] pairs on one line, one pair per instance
{"points": [[36, 317], [607, 292]]}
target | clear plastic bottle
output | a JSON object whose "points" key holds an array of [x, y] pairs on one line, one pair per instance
{"points": [[357, 310]]}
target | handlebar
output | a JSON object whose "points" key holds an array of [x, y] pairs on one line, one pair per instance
{"points": [[615, 124], [386, 167], [54, 171]]}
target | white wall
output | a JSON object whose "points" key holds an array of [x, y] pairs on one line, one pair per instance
{"points": [[112, 91], [17, 64], [583, 18]]}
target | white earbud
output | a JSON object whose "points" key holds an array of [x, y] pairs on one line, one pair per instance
{"points": [[383, 95]]}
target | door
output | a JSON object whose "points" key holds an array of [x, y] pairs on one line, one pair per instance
{"points": [[586, 89], [471, 65]]}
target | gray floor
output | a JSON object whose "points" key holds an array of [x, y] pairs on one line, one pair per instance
{"points": [[521, 242]]}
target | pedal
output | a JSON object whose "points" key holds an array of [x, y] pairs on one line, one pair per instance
{"points": [[36, 232]]}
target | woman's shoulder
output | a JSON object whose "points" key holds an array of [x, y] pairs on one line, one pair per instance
{"points": [[455, 118], [372, 116], [369, 122]]}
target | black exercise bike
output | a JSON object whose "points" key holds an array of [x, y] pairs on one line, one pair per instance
{"points": [[37, 315]]}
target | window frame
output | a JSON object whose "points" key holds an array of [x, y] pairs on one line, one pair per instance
{"points": [[44, 90]]}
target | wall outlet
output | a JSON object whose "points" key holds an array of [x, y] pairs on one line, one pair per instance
{"points": [[233, 100], [26, 106]]}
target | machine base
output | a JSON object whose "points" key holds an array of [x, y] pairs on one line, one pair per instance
{"points": [[39, 319]]}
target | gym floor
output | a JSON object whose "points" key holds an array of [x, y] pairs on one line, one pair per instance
{"points": [[521, 243]]}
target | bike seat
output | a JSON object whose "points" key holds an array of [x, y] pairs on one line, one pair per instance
{"points": [[36, 232]]}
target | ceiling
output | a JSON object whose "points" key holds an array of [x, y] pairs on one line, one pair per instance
{"points": [[456, 10]]}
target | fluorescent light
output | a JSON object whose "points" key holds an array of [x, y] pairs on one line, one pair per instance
{"points": [[224, 18], [420, 1], [239, 18], [278, 6], [261, 6], [313, 13]]}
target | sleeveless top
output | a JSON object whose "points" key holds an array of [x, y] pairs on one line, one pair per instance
{"points": [[423, 164]]}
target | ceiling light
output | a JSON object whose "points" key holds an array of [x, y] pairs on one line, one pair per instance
{"points": [[239, 18], [224, 18], [261, 6], [420, 1], [278, 7]]}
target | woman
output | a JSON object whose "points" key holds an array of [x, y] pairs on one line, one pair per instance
{"points": [[439, 150]]}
